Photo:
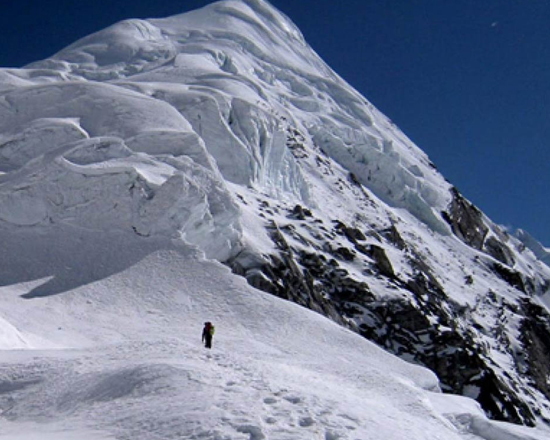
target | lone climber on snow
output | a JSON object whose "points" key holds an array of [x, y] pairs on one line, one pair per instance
{"points": [[207, 334]]}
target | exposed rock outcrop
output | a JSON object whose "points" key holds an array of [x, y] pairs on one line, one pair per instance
{"points": [[466, 221], [420, 323]]}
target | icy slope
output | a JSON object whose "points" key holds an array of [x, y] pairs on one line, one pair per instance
{"points": [[60, 138], [128, 361], [246, 69], [223, 130]]}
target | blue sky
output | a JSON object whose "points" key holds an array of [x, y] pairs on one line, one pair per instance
{"points": [[466, 80]]}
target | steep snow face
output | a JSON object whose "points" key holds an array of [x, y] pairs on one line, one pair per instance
{"points": [[100, 156], [250, 74], [153, 112]]}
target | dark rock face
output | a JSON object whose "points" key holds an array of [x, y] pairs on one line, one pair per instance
{"points": [[510, 276], [466, 221], [416, 318], [536, 340], [499, 251], [282, 276], [500, 402], [392, 235]]}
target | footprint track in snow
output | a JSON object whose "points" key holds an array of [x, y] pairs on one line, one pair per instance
{"points": [[272, 412]]}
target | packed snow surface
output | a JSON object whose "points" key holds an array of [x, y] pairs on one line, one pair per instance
{"points": [[119, 356], [136, 160]]}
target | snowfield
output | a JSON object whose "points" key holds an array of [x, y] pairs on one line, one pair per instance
{"points": [[136, 161], [120, 357]]}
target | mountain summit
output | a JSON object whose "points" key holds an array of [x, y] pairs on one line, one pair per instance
{"points": [[136, 160]]}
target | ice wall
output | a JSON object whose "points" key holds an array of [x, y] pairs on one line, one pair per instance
{"points": [[140, 125]]}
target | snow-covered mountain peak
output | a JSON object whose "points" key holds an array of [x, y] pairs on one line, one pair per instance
{"points": [[245, 60], [258, 17], [142, 44], [220, 133]]}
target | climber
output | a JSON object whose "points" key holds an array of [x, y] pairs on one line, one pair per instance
{"points": [[207, 334]]}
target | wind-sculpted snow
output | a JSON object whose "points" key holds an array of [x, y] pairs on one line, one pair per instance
{"points": [[102, 109], [100, 184], [240, 73], [100, 156]]}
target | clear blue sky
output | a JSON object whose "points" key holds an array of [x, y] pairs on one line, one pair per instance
{"points": [[467, 80]]}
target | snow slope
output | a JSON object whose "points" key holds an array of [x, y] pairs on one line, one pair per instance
{"points": [[137, 159], [246, 69], [120, 357]]}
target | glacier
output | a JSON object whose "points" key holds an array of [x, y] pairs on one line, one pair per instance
{"points": [[138, 161]]}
